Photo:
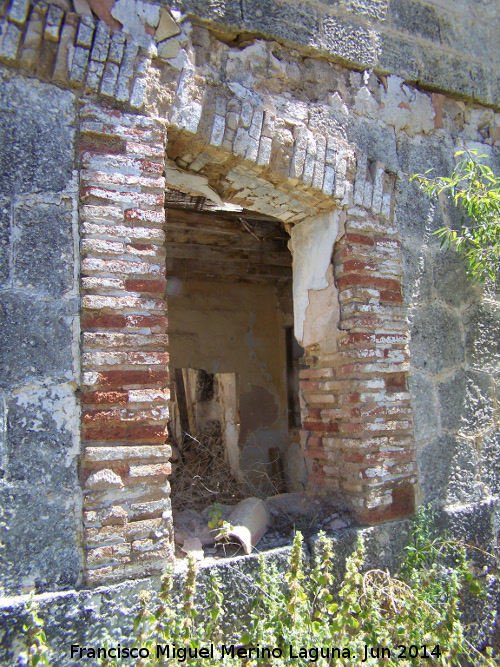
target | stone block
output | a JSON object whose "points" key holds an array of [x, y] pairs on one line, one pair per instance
{"points": [[417, 218], [417, 280], [43, 249], [448, 471], [35, 340], [53, 23], [450, 280], [167, 27], [489, 449], [425, 409], [116, 48], [40, 429], [41, 547], [482, 336], [79, 65], [436, 342], [85, 32], [100, 47], [466, 402], [347, 40], [399, 56], [374, 141], [416, 18], [35, 141], [5, 236], [446, 71], [9, 43], [18, 11]]}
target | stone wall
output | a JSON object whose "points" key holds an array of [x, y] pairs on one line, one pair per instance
{"points": [[39, 437], [439, 45], [271, 126]]}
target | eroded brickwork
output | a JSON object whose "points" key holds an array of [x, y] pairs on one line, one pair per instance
{"points": [[124, 346], [357, 419]]}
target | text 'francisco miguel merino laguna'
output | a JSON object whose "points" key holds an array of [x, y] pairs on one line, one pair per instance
{"points": [[309, 653]]}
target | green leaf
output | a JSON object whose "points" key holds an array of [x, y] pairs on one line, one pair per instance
{"points": [[245, 638]]}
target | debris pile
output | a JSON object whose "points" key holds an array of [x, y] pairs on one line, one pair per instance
{"points": [[202, 476]]}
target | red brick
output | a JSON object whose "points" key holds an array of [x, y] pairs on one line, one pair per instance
{"points": [[396, 382], [352, 429], [123, 378], [146, 322], [314, 442], [91, 160], [149, 358], [314, 413], [387, 296], [316, 373], [101, 146], [389, 243], [145, 215], [357, 338], [98, 321], [320, 426], [107, 397], [114, 197], [358, 265], [145, 150], [319, 479], [319, 454], [148, 286], [98, 302], [368, 281], [113, 415], [124, 341], [403, 505], [359, 239], [94, 265], [308, 385], [125, 433]]}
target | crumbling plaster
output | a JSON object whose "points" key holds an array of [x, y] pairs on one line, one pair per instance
{"points": [[315, 298]]}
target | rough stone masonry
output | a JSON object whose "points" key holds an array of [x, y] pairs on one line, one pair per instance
{"points": [[315, 113]]}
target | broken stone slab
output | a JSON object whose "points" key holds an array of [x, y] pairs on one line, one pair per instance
{"points": [[125, 11], [168, 48], [167, 27], [192, 545], [102, 8], [249, 522]]}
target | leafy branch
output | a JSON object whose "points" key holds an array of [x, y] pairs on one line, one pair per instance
{"points": [[475, 191]]}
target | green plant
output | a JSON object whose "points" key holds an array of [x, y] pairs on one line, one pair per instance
{"points": [[37, 652], [373, 619], [475, 190]]}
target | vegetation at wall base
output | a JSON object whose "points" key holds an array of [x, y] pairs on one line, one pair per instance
{"points": [[475, 191], [374, 619]]}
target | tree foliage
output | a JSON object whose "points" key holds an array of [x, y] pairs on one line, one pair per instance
{"points": [[475, 190]]}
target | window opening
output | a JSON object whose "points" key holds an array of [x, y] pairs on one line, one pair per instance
{"points": [[232, 360]]}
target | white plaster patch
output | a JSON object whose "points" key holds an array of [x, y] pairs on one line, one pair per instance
{"points": [[190, 183], [126, 12], [60, 402], [312, 246], [406, 108]]}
